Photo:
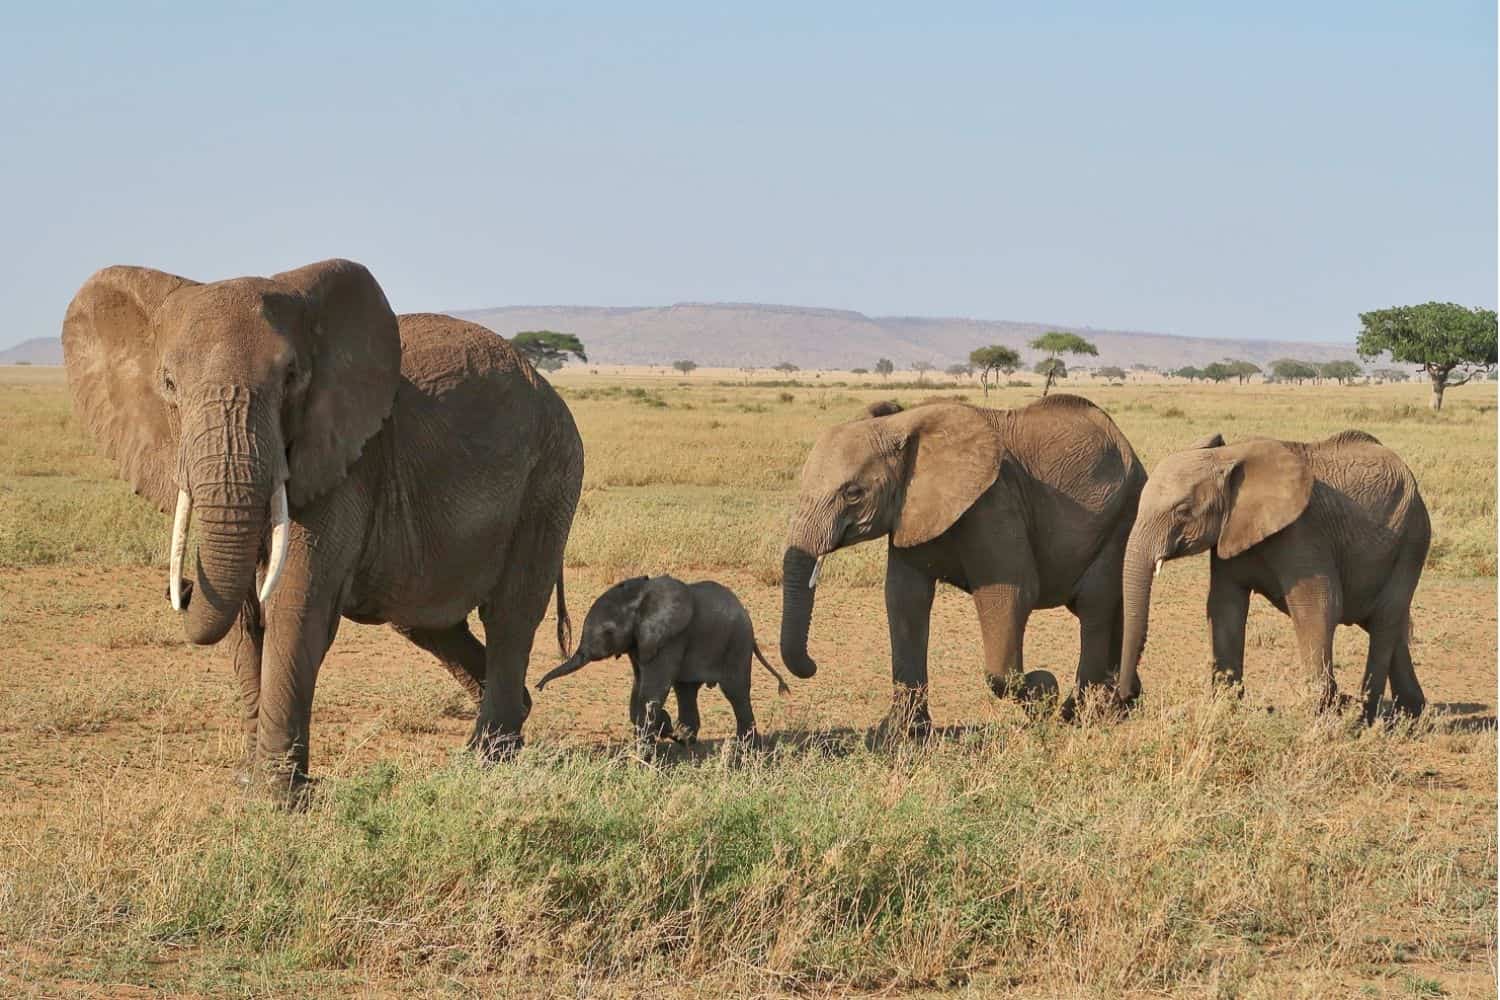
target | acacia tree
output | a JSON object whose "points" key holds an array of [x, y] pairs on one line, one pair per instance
{"points": [[1441, 338], [992, 360], [1189, 372], [859, 371], [1292, 370], [686, 367], [1340, 371], [548, 349], [1218, 371], [1242, 370], [786, 367], [1111, 373], [1390, 375], [885, 366], [1054, 343], [960, 371], [921, 368], [1053, 368]]}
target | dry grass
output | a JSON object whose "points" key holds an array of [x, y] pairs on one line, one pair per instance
{"points": [[1206, 847]]}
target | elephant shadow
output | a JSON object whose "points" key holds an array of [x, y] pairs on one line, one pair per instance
{"points": [[1463, 716], [835, 743]]}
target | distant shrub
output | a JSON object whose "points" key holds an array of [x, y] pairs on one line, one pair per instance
{"points": [[785, 397]]}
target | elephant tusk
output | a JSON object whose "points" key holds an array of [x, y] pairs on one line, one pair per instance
{"points": [[1157, 570], [280, 529], [180, 521], [812, 580]]}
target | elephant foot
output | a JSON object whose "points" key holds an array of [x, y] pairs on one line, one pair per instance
{"points": [[494, 746], [290, 790], [905, 721], [685, 735]]}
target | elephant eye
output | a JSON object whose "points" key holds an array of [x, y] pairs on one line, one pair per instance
{"points": [[168, 384], [853, 492]]}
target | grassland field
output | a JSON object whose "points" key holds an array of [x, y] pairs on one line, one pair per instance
{"points": [[1206, 847]]}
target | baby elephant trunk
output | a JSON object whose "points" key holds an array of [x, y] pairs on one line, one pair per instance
{"points": [[570, 665]]}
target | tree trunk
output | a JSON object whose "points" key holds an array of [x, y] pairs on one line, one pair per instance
{"points": [[1439, 384]]}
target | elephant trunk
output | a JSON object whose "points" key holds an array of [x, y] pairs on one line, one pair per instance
{"points": [[1143, 556], [573, 663], [236, 487], [797, 567]]}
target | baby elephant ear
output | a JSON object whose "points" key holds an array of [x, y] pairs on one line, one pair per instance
{"points": [[113, 362], [1214, 440], [355, 369], [665, 608], [1269, 487]]}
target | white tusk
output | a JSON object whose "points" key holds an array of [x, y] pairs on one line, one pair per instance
{"points": [[280, 529], [1158, 568], [179, 546], [812, 581]]}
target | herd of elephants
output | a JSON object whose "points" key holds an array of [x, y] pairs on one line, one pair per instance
{"points": [[338, 460]]}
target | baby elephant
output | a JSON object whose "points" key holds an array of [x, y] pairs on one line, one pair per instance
{"points": [[678, 636]]}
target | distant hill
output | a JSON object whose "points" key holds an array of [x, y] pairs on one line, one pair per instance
{"points": [[36, 351], [732, 335]]}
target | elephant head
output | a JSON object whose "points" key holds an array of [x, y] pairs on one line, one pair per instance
{"points": [[639, 614], [908, 474], [1211, 495], [238, 400]]}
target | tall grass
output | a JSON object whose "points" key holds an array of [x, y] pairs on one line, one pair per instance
{"points": [[1170, 855]]}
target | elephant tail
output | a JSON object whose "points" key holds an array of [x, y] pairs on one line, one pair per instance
{"points": [[781, 687], [564, 623]]}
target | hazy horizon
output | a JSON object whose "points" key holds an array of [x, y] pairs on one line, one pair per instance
{"points": [[1263, 173]]}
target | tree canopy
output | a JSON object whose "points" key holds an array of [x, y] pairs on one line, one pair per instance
{"points": [[548, 349], [991, 360], [885, 366], [1218, 371], [685, 366], [1057, 342], [1189, 372], [1111, 373], [960, 371], [921, 368], [787, 366], [1340, 371], [1242, 370], [1440, 337], [1292, 370]]}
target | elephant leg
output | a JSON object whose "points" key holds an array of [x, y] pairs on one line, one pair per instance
{"points": [[456, 649], [1385, 636], [1099, 610], [1228, 610], [656, 678], [245, 644], [1003, 610], [1404, 687], [511, 614], [738, 696], [1312, 604], [908, 609], [688, 721]]}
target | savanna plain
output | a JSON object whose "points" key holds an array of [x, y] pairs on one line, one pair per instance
{"points": [[1205, 846]]}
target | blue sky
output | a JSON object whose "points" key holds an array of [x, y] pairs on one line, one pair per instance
{"points": [[1267, 171]]}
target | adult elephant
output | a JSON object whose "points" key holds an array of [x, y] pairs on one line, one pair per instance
{"points": [[1023, 509], [1333, 532], [402, 471]]}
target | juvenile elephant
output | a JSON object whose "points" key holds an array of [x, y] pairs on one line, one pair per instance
{"points": [[1333, 532], [678, 636], [1023, 509], [386, 470]]}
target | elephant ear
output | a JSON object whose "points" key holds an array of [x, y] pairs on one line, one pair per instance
{"points": [[1269, 486], [113, 362], [952, 456], [665, 608], [1214, 440], [355, 364]]}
